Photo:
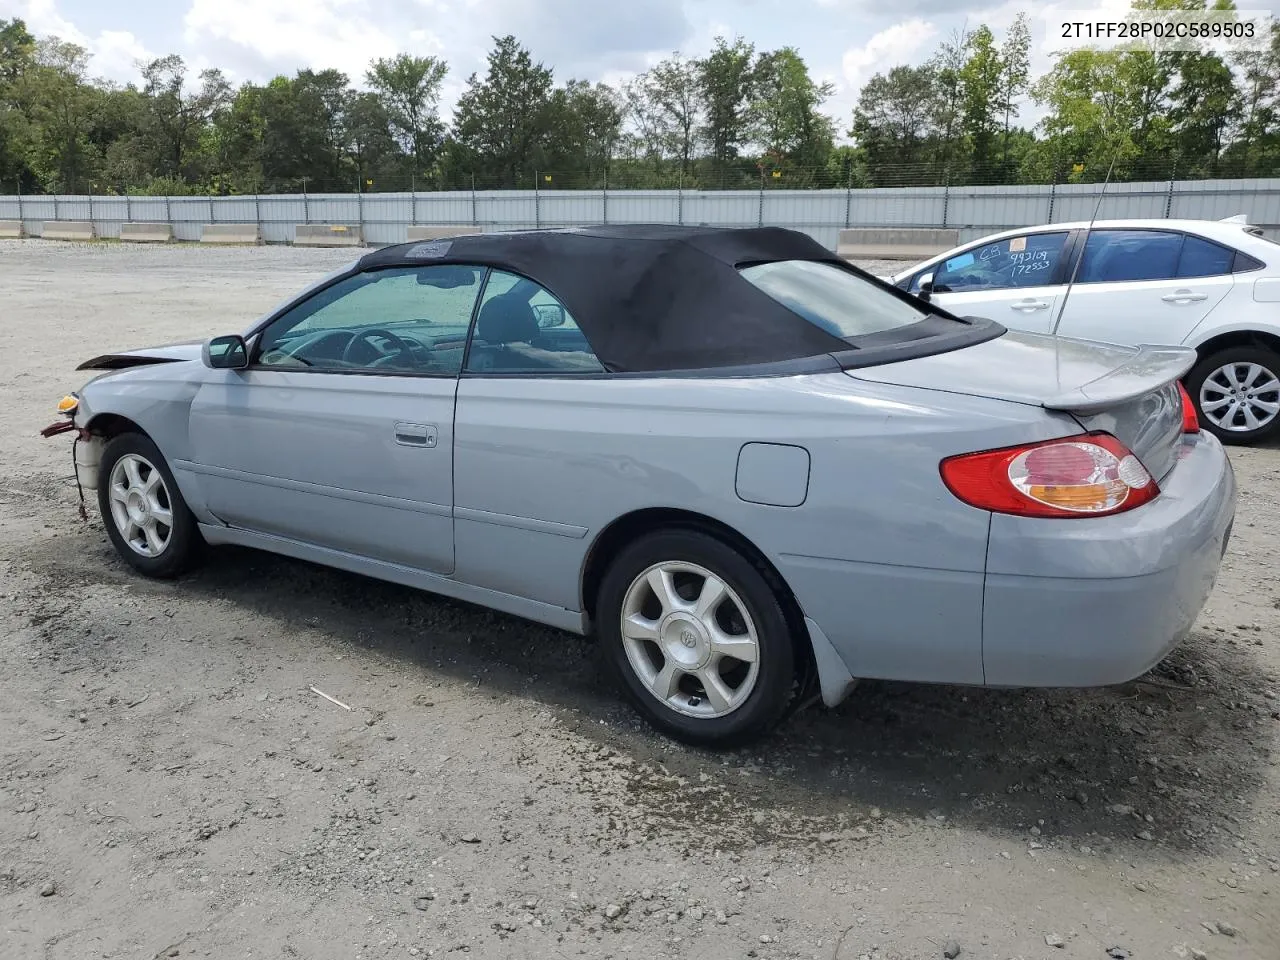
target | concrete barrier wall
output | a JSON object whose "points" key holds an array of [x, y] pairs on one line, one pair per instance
{"points": [[440, 232], [67, 230], [327, 235], [146, 232], [230, 233], [900, 243], [11, 230]]}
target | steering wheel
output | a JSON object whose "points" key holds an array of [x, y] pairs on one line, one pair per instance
{"points": [[364, 336]]}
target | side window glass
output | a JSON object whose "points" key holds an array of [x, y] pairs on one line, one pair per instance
{"points": [[1204, 258], [1116, 256], [404, 320], [523, 328], [1025, 261], [1243, 263]]}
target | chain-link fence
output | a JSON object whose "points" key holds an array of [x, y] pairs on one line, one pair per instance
{"points": [[845, 170]]}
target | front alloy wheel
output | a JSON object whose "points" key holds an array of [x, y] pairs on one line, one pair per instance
{"points": [[140, 505], [142, 508], [698, 637]]}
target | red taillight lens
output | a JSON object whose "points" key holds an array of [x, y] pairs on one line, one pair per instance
{"points": [[1190, 422], [1092, 475]]}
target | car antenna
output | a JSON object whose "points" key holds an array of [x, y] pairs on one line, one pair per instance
{"points": [[1075, 267]]}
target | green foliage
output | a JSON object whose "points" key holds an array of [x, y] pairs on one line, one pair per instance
{"points": [[737, 117], [501, 124], [666, 105], [888, 122], [409, 88], [726, 79], [785, 115]]}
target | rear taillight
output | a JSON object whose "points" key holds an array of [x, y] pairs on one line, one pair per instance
{"points": [[1091, 475], [1190, 422]]}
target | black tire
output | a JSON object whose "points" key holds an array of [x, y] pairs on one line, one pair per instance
{"points": [[1202, 371], [774, 683], [184, 543]]}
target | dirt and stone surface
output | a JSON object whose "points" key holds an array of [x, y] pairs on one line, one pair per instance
{"points": [[170, 786]]}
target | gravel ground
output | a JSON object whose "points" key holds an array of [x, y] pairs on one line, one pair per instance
{"points": [[169, 786]]}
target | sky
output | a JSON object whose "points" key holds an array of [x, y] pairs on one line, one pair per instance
{"points": [[845, 42]]}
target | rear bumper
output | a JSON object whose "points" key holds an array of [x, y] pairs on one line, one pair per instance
{"points": [[1080, 603]]}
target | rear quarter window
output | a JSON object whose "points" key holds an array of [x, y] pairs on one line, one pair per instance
{"points": [[1204, 258], [838, 301], [1244, 263]]}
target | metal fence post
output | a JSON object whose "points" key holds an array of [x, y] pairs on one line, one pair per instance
{"points": [[760, 206], [1053, 192], [128, 207], [21, 218], [475, 222], [537, 202], [680, 200], [306, 209], [848, 205], [91, 207], [1168, 200], [604, 202], [257, 209], [360, 206], [946, 199], [167, 215], [55, 207]]}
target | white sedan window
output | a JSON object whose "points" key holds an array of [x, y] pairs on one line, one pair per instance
{"points": [[1028, 260]]}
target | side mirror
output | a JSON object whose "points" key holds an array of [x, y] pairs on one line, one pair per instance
{"points": [[549, 315], [926, 287], [226, 353]]}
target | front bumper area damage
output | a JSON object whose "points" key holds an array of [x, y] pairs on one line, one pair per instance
{"points": [[86, 449]]}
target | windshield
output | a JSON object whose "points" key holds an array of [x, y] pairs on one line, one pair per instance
{"points": [[840, 302]]}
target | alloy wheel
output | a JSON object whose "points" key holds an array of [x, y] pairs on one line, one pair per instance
{"points": [[140, 505], [690, 639], [1240, 397]]}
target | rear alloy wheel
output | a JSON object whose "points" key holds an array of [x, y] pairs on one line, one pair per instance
{"points": [[1237, 394], [698, 638], [143, 510]]}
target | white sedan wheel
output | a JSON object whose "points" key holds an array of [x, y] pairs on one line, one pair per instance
{"points": [[1240, 397]]}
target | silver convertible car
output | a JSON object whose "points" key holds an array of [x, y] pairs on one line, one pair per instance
{"points": [[755, 472]]}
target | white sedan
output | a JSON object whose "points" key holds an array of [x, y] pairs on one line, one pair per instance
{"points": [[1211, 285]]}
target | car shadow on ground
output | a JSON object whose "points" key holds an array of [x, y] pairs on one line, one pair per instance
{"points": [[1186, 746]]}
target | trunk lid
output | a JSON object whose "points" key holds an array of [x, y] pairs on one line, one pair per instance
{"points": [[1129, 392]]}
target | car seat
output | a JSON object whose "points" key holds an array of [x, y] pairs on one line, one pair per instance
{"points": [[506, 324]]}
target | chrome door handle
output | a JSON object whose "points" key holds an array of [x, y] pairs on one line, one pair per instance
{"points": [[1030, 304], [1184, 296], [415, 434]]}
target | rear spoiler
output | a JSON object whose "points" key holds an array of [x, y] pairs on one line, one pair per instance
{"points": [[1149, 369]]}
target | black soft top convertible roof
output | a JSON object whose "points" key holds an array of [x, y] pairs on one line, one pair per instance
{"points": [[652, 298]]}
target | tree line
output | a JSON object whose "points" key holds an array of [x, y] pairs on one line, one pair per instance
{"points": [[736, 117], [1173, 114]]}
